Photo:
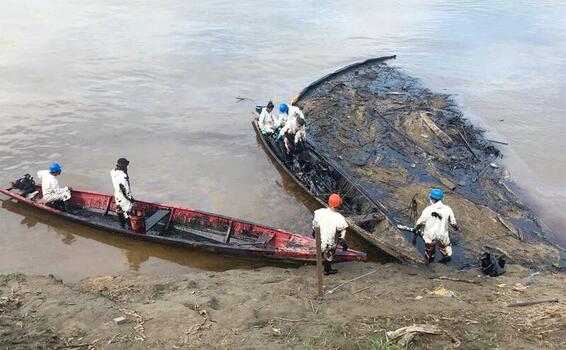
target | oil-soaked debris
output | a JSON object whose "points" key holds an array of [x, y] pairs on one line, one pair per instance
{"points": [[399, 139]]}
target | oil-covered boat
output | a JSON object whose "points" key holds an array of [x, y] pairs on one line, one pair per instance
{"points": [[190, 228], [366, 216]]}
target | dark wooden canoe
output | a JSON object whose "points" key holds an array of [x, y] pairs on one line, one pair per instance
{"points": [[367, 218], [190, 228]]}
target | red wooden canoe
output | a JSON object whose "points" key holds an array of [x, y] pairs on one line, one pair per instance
{"points": [[191, 228]]}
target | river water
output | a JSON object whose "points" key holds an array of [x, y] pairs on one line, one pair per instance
{"points": [[85, 82]]}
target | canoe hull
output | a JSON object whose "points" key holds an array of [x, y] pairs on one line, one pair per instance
{"points": [[380, 233], [193, 229]]}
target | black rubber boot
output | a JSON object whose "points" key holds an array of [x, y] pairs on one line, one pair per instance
{"points": [[59, 205], [430, 252], [328, 270], [122, 220], [67, 206]]}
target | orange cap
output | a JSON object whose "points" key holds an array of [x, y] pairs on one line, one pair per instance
{"points": [[334, 200]]}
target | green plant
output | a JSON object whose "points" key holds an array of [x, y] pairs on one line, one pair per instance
{"points": [[376, 343], [310, 344], [15, 276]]}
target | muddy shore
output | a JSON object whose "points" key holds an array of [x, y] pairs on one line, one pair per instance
{"points": [[276, 309]]}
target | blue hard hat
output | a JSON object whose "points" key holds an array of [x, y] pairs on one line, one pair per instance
{"points": [[283, 108], [55, 167], [436, 193]]}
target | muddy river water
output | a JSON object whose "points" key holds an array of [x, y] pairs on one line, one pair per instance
{"points": [[87, 82]]}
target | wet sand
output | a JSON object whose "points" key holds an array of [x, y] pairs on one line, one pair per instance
{"points": [[271, 308]]}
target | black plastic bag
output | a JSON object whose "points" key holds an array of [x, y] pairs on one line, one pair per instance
{"points": [[492, 266], [26, 184]]}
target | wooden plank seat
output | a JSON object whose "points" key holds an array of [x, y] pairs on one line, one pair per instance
{"points": [[214, 236], [228, 233], [155, 218], [261, 241]]}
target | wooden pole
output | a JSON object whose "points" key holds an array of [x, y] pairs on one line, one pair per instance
{"points": [[318, 261], [468, 145], [529, 303]]}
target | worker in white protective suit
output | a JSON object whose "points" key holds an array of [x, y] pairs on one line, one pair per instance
{"points": [[52, 193], [332, 226], [288, 112], [122, 191], [433, 223], [266, 120], [293, 133]]}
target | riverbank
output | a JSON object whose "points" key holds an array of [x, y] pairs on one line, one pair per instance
{"points": [[275, 308]]}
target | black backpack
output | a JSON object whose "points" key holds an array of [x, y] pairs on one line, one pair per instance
{"points": [[492, 266], [26, 184]]}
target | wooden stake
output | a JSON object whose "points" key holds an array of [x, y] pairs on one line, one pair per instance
{"points": [[318, 261], [350, 281], [467, 145], [499, 142], [535, 302]]}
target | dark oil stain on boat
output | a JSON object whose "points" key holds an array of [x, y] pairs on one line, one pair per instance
{"points": [[399, 140]]}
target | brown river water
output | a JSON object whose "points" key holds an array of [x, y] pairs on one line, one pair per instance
{"points": [[85, 82]]}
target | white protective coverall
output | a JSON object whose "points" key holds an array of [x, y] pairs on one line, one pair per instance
{"points": [[266, 121], [50, 188], [330, 223], [435, 228], [121, 178], [292, 128], [293, 112]]}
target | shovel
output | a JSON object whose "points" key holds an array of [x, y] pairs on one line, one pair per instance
{"points": [[410, 229]]}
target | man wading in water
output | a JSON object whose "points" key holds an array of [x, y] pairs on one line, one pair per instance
{"points": [[331, 224], [122, 192], [434, 223]]}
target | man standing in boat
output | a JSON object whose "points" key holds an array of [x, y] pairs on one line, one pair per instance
{"points": [[331, 224], [266, 120], [122, 191], [433, 222], [52, 193]]}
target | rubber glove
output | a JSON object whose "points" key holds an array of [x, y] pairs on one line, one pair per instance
{"points": [[417, 230]]}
